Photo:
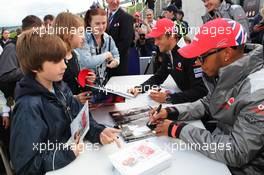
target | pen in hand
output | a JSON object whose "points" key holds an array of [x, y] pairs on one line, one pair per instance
{"points": [[156, 112]]}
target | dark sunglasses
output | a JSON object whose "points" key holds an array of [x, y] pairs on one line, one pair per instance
{"points": [[203, 57]]}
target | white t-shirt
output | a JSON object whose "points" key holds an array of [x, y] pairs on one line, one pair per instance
{"points": [[1, 50]]}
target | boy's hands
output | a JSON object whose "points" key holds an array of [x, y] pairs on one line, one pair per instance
{"points": [[109, 135], [83, 97], [77, 148]]}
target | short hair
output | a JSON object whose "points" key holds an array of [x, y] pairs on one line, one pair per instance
{"points": [[34, 47], [180, 12], [67, 21], [3, 30], [31, 21], [93, 12], [48, 17], [150, 10]]}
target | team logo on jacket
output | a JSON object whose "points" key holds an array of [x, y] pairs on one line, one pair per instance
{"points": [[179, 66], [258, 109], [228, 104], [198, 72]]}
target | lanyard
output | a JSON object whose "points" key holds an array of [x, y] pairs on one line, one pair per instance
{"points": [[98, 49]]}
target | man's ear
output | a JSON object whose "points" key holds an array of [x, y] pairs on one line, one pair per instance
{"points": [[228, 54]]}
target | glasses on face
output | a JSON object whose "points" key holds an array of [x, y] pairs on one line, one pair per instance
{"points": [[203, 57]]}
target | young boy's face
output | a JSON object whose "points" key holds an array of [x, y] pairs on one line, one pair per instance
{"points": [[51, 71], [77, 38]]}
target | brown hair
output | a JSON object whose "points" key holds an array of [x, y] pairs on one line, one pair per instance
{"points": [[34, 47], [64, 23], [93, 12], [31, 21]]}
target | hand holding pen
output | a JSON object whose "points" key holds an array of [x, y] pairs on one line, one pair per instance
{"points": [[157, 114]]}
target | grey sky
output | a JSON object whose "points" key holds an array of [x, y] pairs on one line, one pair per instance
{"points": [[12, 12]]}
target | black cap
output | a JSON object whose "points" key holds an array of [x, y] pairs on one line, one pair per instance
{"points": [[171, 8]]}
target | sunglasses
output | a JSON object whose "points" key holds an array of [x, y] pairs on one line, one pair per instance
{"points": [[203, 57]]}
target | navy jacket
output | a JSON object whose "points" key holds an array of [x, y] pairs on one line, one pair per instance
{"points": [[122, 31], [41, 117]]}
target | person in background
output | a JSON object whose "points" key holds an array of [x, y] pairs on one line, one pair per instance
{"points": [[4, 112], [120, 28], [235, 99], [140, 33], [149, 22], [255, 20], [5, 38], [99, 51], [10, 71], [142, 28], [170, 12], [225, 9], [187, 74], [72, 40], [179, 17], [258, 30], [1, 50], [45, 108], [48, 20], [18, 32], [4, 126]]}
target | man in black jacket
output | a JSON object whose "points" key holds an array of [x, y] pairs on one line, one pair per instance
{"points": [[186, 74], [10, 71], [120, 27]]}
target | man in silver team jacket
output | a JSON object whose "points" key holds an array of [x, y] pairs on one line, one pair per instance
{"points": [[235, 80]]}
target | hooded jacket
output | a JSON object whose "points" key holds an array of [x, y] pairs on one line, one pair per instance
{"points": [[42, 119], [236, 101]]}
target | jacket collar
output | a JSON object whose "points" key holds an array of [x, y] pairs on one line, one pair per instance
{"points": [[240, 69]]}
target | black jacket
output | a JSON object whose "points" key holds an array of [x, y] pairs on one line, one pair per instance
{"points": [[71, 74], [10, 71], [186, 74], [41, 117], [122, 31]]}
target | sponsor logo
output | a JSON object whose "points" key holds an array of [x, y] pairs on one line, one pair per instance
{"points": [[228, 104], [258, 109]]}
